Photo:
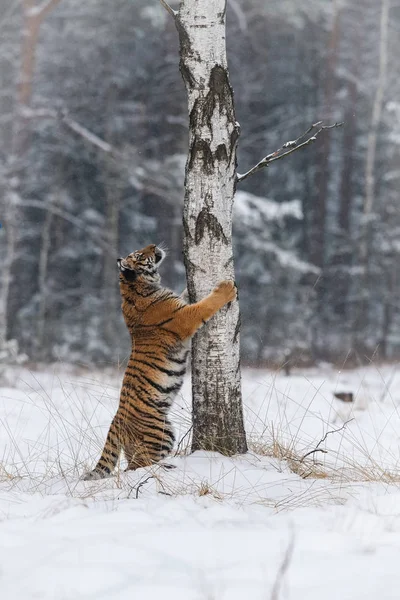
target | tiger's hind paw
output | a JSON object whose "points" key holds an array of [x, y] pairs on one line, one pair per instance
{"points": [[95, 475]]}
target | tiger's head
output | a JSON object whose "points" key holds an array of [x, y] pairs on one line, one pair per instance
{"points": [[142, 265]]}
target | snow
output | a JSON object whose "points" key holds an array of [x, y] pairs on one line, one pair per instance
{"points": [[251, 209], [267, 525]]}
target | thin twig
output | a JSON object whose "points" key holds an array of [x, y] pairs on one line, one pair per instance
{"points": [[313, 452], [293, 146], [169, 9], [287, 559], [137, 487], [322, 440], [182, 439]]}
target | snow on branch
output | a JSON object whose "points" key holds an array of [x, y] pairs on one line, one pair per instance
{"points": [[289, 148], [169, 9]]}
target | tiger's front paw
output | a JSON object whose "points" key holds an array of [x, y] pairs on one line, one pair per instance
{"points": [[226, 290]]}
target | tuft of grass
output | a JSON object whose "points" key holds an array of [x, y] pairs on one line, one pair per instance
{"points": [[205, 489]]}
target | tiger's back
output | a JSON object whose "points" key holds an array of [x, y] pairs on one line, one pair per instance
{"points": [[161, 324]]}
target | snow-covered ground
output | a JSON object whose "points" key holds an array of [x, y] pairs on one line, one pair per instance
{"points": [[273, 524]]}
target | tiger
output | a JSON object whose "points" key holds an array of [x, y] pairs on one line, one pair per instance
{"points": [[161, 324]]}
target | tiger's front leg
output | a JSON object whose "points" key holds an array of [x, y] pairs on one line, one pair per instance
{"points": [[190, 318]]}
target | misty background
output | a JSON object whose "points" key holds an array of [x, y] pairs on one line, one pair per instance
{"points": [[316, 235]]}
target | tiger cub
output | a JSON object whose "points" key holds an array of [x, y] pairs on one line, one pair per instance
{"points": [[161, 325]]}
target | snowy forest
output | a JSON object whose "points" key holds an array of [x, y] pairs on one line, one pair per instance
{"points": [[94, 134]]}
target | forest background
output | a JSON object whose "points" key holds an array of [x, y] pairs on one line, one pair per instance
{"points": [[316, 236]]}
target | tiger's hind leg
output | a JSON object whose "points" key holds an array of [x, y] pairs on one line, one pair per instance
{"points": [[111, 452], [154, 445], [136, 454]]}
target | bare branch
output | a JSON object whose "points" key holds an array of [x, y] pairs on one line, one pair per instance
{"points": [[322, 440], [169, 9], [313, 452], [289, 148], [189, 430], [140, 485], [92, 138]]}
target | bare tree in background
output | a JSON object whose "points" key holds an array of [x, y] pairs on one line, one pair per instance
{"points": [[317, 243], [33, 16], [369, 192]]}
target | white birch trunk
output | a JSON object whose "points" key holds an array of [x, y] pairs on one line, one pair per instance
{"points": [[209, 191]]}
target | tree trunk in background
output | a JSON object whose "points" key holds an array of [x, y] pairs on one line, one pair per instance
{"points": [[361, 318], [209, 190], [317, 254], [42, 280], [33, 17], [342, 258], [10, 226], [376, 115], [113, 204]]}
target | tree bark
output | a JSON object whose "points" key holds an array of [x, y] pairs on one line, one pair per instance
{"points": [[209, 191]]}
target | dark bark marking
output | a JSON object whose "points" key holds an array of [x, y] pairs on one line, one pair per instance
{"points": [[234, 140], [186, 229], [222, 15], [237, 328], [220, 93], [228, 262], [186, 74], [221, 154], [200, 150], [184, 39], [207, 221]]}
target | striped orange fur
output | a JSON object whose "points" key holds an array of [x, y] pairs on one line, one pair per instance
{"points": [[161, 324]]}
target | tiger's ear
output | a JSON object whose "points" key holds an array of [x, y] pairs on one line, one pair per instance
{"points": [[128, 274]]}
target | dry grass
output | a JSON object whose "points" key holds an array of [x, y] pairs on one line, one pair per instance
{"points": [[350, 470]]}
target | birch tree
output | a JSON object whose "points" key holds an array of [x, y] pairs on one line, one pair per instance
{"points": [[210, 184], [209, 190]]}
